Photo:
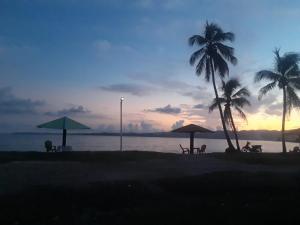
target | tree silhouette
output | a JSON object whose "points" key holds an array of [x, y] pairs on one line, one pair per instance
{"points": [[286, 77], [232, 97], [211, 57]]}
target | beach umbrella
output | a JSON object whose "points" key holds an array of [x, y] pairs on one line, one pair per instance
{"points": [[64, 124], [192, 129]]}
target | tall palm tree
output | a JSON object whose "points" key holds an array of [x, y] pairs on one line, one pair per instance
{"points": [[232, 97], [286, 77], [212, 57]]}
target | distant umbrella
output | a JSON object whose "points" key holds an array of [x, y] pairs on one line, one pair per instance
{"points": [[192, 129], [64, 124]]}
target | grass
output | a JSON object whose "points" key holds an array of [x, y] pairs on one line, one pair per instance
{"points": [[217, 198]]}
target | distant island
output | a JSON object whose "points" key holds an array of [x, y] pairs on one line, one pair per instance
{"points": [[267, 135]]}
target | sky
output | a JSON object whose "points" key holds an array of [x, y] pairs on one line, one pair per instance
{"points": [[77, 58]]}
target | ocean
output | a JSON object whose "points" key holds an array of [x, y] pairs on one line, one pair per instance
{"points": [[35, 142]]}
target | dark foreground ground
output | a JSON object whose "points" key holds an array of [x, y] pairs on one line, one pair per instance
{"points": [[222, 197]]}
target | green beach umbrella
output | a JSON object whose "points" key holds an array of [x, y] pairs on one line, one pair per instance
{"points": [[64, 124]]}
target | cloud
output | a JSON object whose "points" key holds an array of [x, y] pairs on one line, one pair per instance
{"points": [[134, 89], [102, 45], [257, 105], [168, 109], [10, 104], [177, 124], [73, 111], [198, 93], [105, 46], [138, 127], [275, 109], [199, 106]]}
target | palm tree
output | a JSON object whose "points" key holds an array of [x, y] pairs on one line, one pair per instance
{"points": [[211, 58], [286, 77], [232, 97]]}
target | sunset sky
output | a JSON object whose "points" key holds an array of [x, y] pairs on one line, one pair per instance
{"points": [[77, 58]]}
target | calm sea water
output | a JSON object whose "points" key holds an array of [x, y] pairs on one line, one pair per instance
{"points": [[18, 142]]}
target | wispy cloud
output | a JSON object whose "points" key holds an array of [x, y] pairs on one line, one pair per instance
{"points": [[168, 109], [80, 110], [199, 106], [134, 89], [10, 104]]}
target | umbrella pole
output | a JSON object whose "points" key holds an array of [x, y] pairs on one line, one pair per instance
{"points": [[64, 141], [192, 143]]}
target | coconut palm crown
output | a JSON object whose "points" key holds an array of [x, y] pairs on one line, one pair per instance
{"points": [[285, 76], [233, 96], [212, 56]]}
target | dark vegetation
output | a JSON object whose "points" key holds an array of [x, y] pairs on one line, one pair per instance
{"points": [[217, 198]]}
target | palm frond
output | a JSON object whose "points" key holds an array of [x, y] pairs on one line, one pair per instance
{"points": [[227, 116], [211, 29], [289, 61], [227, 36], [200, 65], [292, 71], [207, 70], [220, 65], [230, 86], [214, 104], [267, 75], [242, 92], [227, 52], [241, 114], [196, 55], [295, 82], [197, 40], [266, 89], [240, 102], [292, 99]]}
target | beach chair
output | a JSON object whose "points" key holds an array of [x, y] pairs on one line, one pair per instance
{"points": [[295, 149], [184, 150], [49, 147], [201, 150]]}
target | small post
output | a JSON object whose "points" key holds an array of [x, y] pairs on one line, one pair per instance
{"points": [[121, 123], [64, 142], [192, 143]]}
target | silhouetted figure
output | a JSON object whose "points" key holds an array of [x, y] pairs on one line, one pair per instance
{"points": [[253, 148]]}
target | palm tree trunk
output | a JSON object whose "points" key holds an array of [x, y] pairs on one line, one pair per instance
{"points": [[230, 145], [235, 132], [283, 121]]}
